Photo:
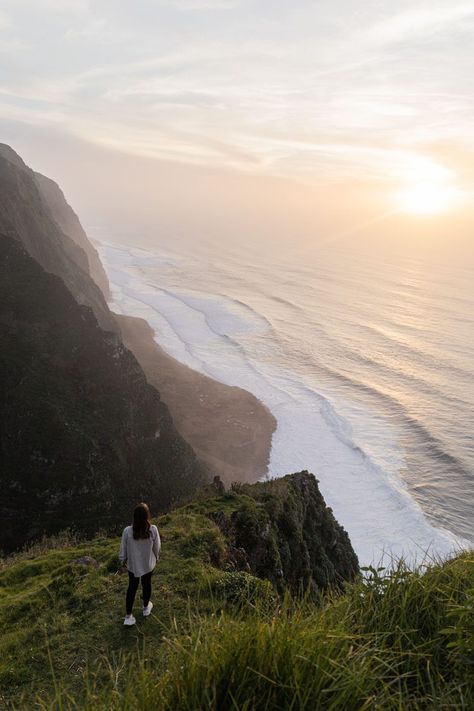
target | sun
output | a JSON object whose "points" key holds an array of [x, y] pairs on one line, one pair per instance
{"points": [[427, 198]]}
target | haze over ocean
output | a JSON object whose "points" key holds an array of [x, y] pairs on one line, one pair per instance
{"points": [[364, 353]]}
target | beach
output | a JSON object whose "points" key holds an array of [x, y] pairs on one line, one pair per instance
{"points": [[229, 428]]}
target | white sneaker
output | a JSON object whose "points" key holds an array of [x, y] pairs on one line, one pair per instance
{"points": [[147, 610], [129, 620]]}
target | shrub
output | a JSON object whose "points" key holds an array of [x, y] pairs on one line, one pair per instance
{"points": [[241, 588]]}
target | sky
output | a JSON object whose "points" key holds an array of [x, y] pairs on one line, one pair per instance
{"points": [[258, 116]]}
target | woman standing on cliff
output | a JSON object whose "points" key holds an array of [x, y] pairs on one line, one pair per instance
{"points": [[139, 554]]}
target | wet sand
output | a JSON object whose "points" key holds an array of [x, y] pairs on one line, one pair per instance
{"points": [[228, 427]]}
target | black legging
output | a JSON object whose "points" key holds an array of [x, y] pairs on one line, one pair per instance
{"points": [[133, 587]]}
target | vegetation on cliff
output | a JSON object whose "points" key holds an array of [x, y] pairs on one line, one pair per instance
{"points": [[220, 637], [283, 531], [48, 601]]}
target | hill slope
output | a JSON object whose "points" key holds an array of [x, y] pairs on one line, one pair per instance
{"points": [[219, 638], [79, 608]]}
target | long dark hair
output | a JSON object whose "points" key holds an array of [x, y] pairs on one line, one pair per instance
{"points": [[141, 521]]}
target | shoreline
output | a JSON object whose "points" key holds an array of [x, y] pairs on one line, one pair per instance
{"points": [[310, 434], [228, 427]]}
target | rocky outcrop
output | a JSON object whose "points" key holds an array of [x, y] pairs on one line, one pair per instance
{"points": [[83, 435], [26, 216], [284, 532]]}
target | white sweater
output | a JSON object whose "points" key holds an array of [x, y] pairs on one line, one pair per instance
{"points": [[141, 555]]}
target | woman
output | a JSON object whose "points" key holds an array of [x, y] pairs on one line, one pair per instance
{"points": [[139, 553]]}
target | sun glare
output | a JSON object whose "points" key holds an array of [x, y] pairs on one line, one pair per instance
{"points": [[427, 198]]}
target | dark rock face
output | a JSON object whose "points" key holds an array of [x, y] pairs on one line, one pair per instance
{"points": [[26, 216], [83, 436], [285, 532]]}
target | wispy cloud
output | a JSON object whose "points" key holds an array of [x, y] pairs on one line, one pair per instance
{"points": [[61, 6], [317, 90], [420, 21], [201, 4]]}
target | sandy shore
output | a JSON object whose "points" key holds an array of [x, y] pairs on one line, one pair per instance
{"points": [[229, 428]]}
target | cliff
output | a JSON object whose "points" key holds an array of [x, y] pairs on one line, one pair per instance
{"points": [[229, 428], [284, 532], [82, 433], [26, 216]]}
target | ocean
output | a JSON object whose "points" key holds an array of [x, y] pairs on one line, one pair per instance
{"points": [[364, 354]]}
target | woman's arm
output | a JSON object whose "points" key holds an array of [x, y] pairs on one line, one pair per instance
{"points": [[156, 544], [123, 554]]}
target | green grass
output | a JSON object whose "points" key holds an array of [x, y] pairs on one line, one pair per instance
{"points": [[55, 615], [220, 640]]}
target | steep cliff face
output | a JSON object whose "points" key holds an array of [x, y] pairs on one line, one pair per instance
{"points": [[26, 216], [83, 436], [69, 223], [284, 532]]}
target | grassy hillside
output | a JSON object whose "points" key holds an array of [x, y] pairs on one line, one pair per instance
{"points": [[58, 617], [221, 638]]}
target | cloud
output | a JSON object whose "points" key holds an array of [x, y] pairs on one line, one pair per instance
{"points": [[4, 22], [11, 46], [311, 89], [201, 4], [419, 21], [61, 6], [93, 30]]}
